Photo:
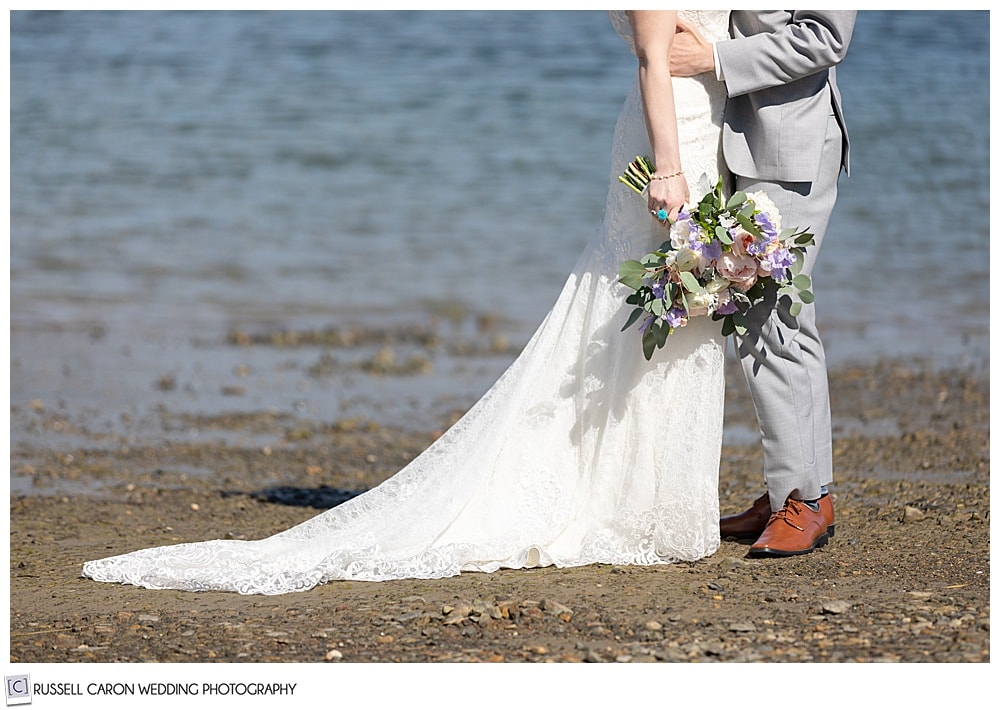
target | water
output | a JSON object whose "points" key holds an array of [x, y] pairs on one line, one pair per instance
{"points": [[905, 269], [237, 167], [175, 175]]}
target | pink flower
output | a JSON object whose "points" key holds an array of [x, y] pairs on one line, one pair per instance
{"points": [[741, 270], [742, 239]]}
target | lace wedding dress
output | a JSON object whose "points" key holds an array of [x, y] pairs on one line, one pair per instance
{"points": [[582, 452]]}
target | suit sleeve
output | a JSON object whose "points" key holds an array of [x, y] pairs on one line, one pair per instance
{"points": [[814, 40]]}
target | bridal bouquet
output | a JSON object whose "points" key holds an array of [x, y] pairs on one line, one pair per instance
{"points": [[720, 259]]}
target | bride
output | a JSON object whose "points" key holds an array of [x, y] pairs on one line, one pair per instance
{"points": [[583, 451]]}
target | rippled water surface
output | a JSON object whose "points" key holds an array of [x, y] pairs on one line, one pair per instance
{"points": [[194, 172]]}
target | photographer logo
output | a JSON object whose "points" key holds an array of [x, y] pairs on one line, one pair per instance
{"points": [[18, 689]]}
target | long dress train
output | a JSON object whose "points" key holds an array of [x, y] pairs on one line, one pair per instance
{"points": [[582, 452]]}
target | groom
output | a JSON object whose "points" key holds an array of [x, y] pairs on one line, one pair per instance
{"points": [[784, 133]]}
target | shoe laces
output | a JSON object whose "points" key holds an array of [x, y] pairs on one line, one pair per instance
{"points": [[788, 510]]}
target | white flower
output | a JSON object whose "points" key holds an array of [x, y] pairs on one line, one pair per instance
{"points": [[687, 259], [680, 233], [717, 284], [701, 304]]}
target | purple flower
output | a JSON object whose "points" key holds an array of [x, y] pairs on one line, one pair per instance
{"points": [[777, 262], [763, 221], [781, 257], [712, 250], [757, 248], [727, 307], [676, 317]]}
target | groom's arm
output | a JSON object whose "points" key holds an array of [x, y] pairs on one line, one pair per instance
{"points": [[814, 40]]}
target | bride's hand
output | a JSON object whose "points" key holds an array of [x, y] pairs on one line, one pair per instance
{"points": [[670, 194]]}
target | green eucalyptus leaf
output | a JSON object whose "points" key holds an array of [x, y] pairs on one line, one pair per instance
{"points": [[795, 309], [630, 273], [802, 282], [633, 317], [691, 283], [806, 296], [723, 235], [662, 331], [648, 343], [632, 282], [630, 267], [748, 224], [736, 200]]}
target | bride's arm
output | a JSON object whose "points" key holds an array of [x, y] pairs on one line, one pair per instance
{"points": [[653, 33]]}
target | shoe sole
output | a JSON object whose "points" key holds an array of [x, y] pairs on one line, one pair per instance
{"points": [[734, 538], [768, 552]]}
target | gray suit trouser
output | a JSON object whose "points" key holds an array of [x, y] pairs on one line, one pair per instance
{"points": [[783, 357]]}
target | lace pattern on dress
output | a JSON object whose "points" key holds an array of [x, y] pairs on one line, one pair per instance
{"points": [[582, 452]]}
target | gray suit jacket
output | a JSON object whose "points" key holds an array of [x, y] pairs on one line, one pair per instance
{"points": [[780, 74]]}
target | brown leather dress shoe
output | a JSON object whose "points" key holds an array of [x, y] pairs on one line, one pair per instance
{"points": [[794, 530], [749, 525]]}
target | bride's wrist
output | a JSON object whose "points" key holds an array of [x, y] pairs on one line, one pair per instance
{"points": [[658, 176]]}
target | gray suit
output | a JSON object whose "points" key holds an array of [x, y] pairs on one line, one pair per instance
{"points": [[784, 133]]}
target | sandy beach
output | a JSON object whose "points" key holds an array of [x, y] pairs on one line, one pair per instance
{"points": [[905, 579]]}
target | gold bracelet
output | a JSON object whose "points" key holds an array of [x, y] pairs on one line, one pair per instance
{"points": [[666, 177]]}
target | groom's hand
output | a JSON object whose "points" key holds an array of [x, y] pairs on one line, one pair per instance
{"points": [[690, 53]]}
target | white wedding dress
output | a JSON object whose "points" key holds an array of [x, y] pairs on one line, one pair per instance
{"points": [[582, 452]]}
